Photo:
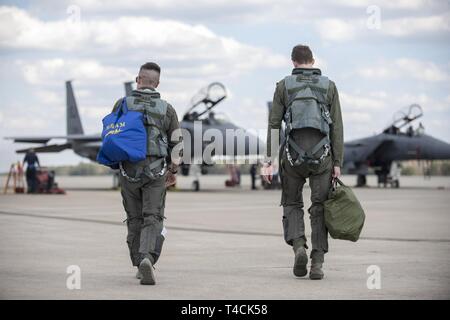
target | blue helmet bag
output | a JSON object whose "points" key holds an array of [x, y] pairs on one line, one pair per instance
{"points": [[124, 137]]}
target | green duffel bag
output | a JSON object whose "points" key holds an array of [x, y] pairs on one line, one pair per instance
{"points": [[344, 216]]}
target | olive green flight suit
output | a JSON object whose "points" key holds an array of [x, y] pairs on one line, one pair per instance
{"points": [[293, 178], [144, 200], [144, 203]]}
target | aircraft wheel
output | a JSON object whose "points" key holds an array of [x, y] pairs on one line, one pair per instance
{"points": [[361, 180], [196, 185]]}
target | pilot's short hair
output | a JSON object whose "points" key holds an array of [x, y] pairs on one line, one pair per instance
{"points": [[302, 54], [151, 66]]}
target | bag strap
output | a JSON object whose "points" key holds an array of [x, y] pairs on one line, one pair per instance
{"points": [[340, 182], [123, 109]]}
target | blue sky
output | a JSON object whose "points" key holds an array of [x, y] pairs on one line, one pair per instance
{"points": [[383, 56]]}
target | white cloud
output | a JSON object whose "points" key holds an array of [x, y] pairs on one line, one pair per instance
{"points": [[56, 70], [47, 97], [430, 105], [165, 4], [422, 70], [334, 21], [337, 29], [389, 4], [409, 27], [27, 126], [406, 67], [413, 26], [94, 112], [360, 102], [359, 117], [167, 39], [245, 11]]}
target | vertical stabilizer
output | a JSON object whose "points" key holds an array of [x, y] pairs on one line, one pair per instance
{"points": [[128, 88], [73, 117]]}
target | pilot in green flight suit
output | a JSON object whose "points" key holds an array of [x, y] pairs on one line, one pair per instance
{"points": [[313, 149], [143, 184]]}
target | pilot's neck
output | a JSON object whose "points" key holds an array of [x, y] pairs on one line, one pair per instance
{"points": [[146, 89]]}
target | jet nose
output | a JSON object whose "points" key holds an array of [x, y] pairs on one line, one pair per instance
{"points": [[435, 149]]}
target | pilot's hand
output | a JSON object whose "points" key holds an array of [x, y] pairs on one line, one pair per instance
{"points": [[171, 179], [173, 167], [267, 172], [336, 172]]}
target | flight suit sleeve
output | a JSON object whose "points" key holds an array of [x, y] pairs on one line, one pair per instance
{"points": [[174, 135], [275, 118], [337, 127]]}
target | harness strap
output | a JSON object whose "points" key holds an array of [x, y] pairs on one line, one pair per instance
{"points": [[147, 170], [301, 153], [318, 146], [308, 155]]}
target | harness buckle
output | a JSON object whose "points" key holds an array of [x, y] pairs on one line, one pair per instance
{"points": [[325, 153], [289, 157], [152, 175]]}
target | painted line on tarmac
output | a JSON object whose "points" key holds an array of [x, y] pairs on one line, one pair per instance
{"points": [[234, 232]]}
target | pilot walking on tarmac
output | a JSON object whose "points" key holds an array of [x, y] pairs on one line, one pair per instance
{"points": [[313, 149], [32, 161], [144, 183]]}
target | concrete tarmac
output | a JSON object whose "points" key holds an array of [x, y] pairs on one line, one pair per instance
{"points": [[222, 244]]}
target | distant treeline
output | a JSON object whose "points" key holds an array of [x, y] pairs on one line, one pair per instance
{"points": [[409, 168], [81, 169], [93, 169], [434, 168]]}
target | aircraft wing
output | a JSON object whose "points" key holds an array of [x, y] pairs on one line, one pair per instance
{"points": [[45, 139], [48, 148], [30, 139]]}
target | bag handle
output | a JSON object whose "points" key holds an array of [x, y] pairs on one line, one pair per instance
{"points": [[335, 182]]}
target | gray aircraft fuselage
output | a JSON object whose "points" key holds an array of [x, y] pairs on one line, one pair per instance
{"points": [[394, 147], [381, 150]]}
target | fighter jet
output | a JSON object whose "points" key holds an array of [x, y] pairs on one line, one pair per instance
{"points": [[84, 145], [199, 119], [384, 150], [194, 126]]}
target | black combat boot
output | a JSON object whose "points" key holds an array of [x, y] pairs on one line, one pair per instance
{"points": [[301, 258]]}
